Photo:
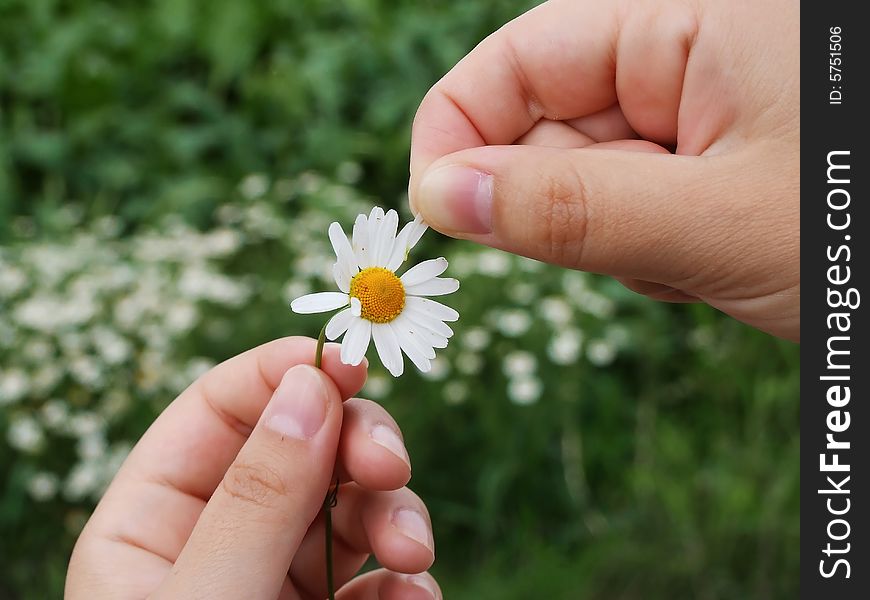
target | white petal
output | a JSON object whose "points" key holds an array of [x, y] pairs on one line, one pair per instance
{"points": [[341, 246], [342, 276], [346, 264], [431, 308], [400, 249], [376, 219], [387, 345], [361, 242], [407, 239], [431, 323], [319, 302], [434, 287], [387, 238], [376, 225], [418, 228], [431, 338], [414, 331], [338, 324], [355, 306], [356, 341], [413, 340], [424, 271]]}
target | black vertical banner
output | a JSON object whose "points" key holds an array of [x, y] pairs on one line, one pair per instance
{"points": [[835, 420]]}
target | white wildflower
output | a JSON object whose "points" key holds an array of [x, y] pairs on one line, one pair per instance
{"points": [[556, 311], [469, 363], [455, 392], [12, 280], [254, 186], [376, 304], [181, 317], [519, 363], [377, 387], [14, 385], [54, 414], [601, 352], [85, 479], [513, 322], [475, 339], [25, 434], [43, 486], [494, 263], [91, 447], [524, 390], [564, 348], [522, 293], [440, 369]]}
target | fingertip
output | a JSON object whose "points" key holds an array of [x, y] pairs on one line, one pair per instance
{"points": [[348, 378], [421, 586], [404, 540], [388, 585], [371, 449], [457, 199]]}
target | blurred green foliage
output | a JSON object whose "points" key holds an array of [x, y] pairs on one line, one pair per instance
{"points": [[660, 463]]}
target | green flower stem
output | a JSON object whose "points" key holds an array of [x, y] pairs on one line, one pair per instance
{"points": [[332, 494], [318, 354], [328, 504]]}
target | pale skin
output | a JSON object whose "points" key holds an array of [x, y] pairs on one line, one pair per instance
{"points": [[657, 142], [696, 103], [218, 500]]}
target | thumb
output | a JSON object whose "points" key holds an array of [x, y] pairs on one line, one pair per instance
{"points": [[624, 213], [246, 537]]}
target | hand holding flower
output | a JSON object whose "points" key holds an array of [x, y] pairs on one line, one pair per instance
{"points": [[221, 496]]}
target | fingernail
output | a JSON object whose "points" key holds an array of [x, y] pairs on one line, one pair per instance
{"points": [[412, 525], [298, 407], [385, 436], [424, 583], [458, 199]]}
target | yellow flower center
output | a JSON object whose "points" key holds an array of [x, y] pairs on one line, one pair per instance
{"points": [[380, 292]]}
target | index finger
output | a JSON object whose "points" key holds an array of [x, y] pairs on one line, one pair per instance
{"points": [[571, 61], [555, 61]]}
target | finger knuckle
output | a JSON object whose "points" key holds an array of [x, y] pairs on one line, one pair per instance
{"points": [[256, 484], [563, 216]]}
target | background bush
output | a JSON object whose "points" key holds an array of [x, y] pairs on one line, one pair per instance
{"points": [[167, 172]]}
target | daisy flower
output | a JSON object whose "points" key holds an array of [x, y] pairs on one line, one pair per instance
{"points": [[379, 304]]}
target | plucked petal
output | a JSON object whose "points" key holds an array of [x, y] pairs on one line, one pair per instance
{"points": [[356, 341], [387, 345], [355, 307], [400, 249], [319, 302], [418, 228], [424, 271], [437, 286], [407, 239], [338, 324], [432, 308]]}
